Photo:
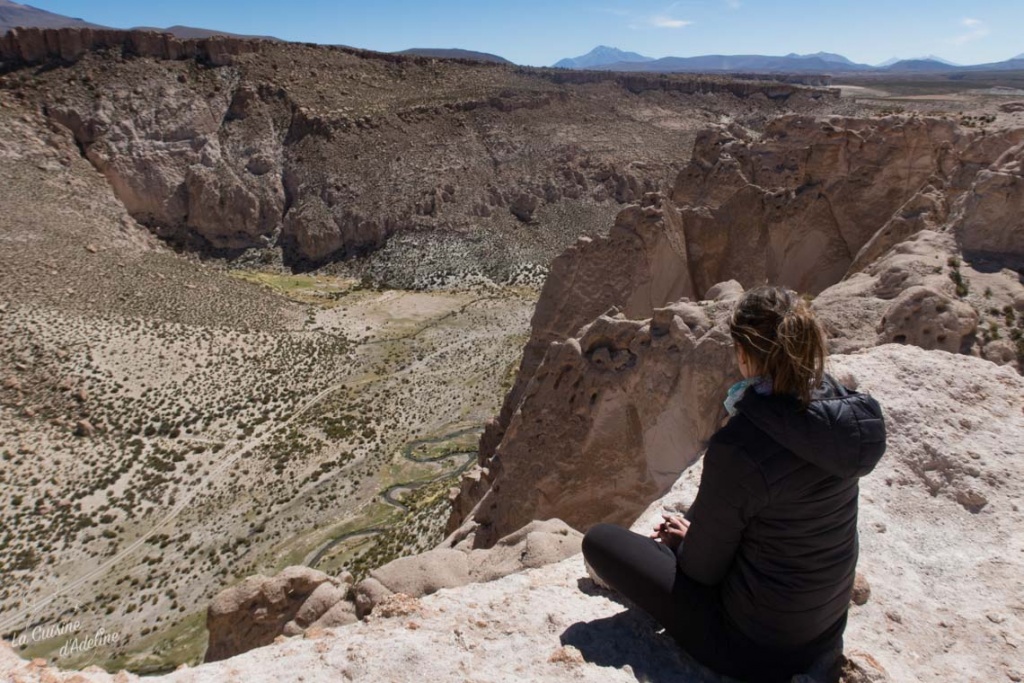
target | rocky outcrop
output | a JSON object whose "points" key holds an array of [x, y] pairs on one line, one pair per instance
{"points": [[536, 544], [860, 211], [255, 612], [609, 420], [300, 600], [989, 221], [932, 320], [640, 266], [37, 45], [798, 205]]}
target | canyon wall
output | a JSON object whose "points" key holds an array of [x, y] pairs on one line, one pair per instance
{"points": [[227, 144], [905, 228]]}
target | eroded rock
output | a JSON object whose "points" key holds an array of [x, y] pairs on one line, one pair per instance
{"points": [[260, 609]]}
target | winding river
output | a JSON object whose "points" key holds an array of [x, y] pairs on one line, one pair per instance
{"points": [[392, 495]]}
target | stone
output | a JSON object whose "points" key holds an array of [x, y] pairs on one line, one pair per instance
{"points": [[524, 206], [425, 573], [860, 667], [724, 291], [258, 610], [990, 217], [932, 320], [367, 593], [84, 428], [861, 590], [340, 613], [320, 601]]}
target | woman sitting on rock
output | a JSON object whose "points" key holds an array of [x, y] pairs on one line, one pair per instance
{"points": [[755, 581]]}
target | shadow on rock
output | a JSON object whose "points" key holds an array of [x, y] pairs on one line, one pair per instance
{"points": [[631, 638]]}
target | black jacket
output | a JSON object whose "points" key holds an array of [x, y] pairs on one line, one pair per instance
{"points": [[774, 523]]}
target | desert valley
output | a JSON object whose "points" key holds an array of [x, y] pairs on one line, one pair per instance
{"points": [[314, 354]]}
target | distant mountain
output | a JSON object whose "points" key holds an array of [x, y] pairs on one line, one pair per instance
{"points": [[741, 63], [454, 53], [924, 64], [193, 33], [793, 63], [927, 58], [1020, 56], [13, 15], [823, 56], [600, 56]]}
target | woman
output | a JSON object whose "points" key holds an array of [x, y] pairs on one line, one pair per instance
{"points": [[755, 581]]}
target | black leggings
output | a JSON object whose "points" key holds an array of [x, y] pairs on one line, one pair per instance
{"points": [[645, 571]]}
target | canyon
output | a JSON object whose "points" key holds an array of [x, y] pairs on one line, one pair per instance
{"points": [[262, 303]]}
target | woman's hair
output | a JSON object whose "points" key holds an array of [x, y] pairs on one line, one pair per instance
{"points": [[779, 334]]}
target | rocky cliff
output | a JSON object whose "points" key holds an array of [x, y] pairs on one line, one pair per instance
{"points": [[906, 227], [226, 144]]}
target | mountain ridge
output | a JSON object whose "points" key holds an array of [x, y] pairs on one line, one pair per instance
{"points": [[14, 15], [600, 55], [819, 62], [454, 53]]}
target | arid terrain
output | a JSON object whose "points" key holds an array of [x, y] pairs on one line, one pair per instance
{"points": [[173, 422], [260, 303]]}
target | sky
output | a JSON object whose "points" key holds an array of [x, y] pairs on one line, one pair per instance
{"points": [[540, 32]]}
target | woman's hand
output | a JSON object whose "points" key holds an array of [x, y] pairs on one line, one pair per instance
{"points": [[672, 531]]}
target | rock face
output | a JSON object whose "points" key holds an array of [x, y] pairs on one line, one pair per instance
{"points": [[874, 215], [990, 219], [944, 579], [260, 609], [228, 143], [638, 400], [796, 206], [36, 45], [642, 265]]}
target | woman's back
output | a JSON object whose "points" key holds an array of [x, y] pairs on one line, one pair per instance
{"points": [[784, 479]]}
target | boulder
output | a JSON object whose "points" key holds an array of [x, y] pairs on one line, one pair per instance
{"points": [[924, 317], [451, 565], [610, 419], [257, 611], [340, 613], [990, 217]]}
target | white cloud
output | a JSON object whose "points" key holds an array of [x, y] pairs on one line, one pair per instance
{"points": [[976, 29], [668, 22], [733, 4]]}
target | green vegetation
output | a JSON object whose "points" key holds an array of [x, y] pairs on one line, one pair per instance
{"points": [[960, 282]]}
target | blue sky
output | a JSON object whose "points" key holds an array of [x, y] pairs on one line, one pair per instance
{"points": [[540, 32]]}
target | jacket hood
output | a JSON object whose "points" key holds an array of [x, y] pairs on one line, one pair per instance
{"points": [[841, 431]]}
